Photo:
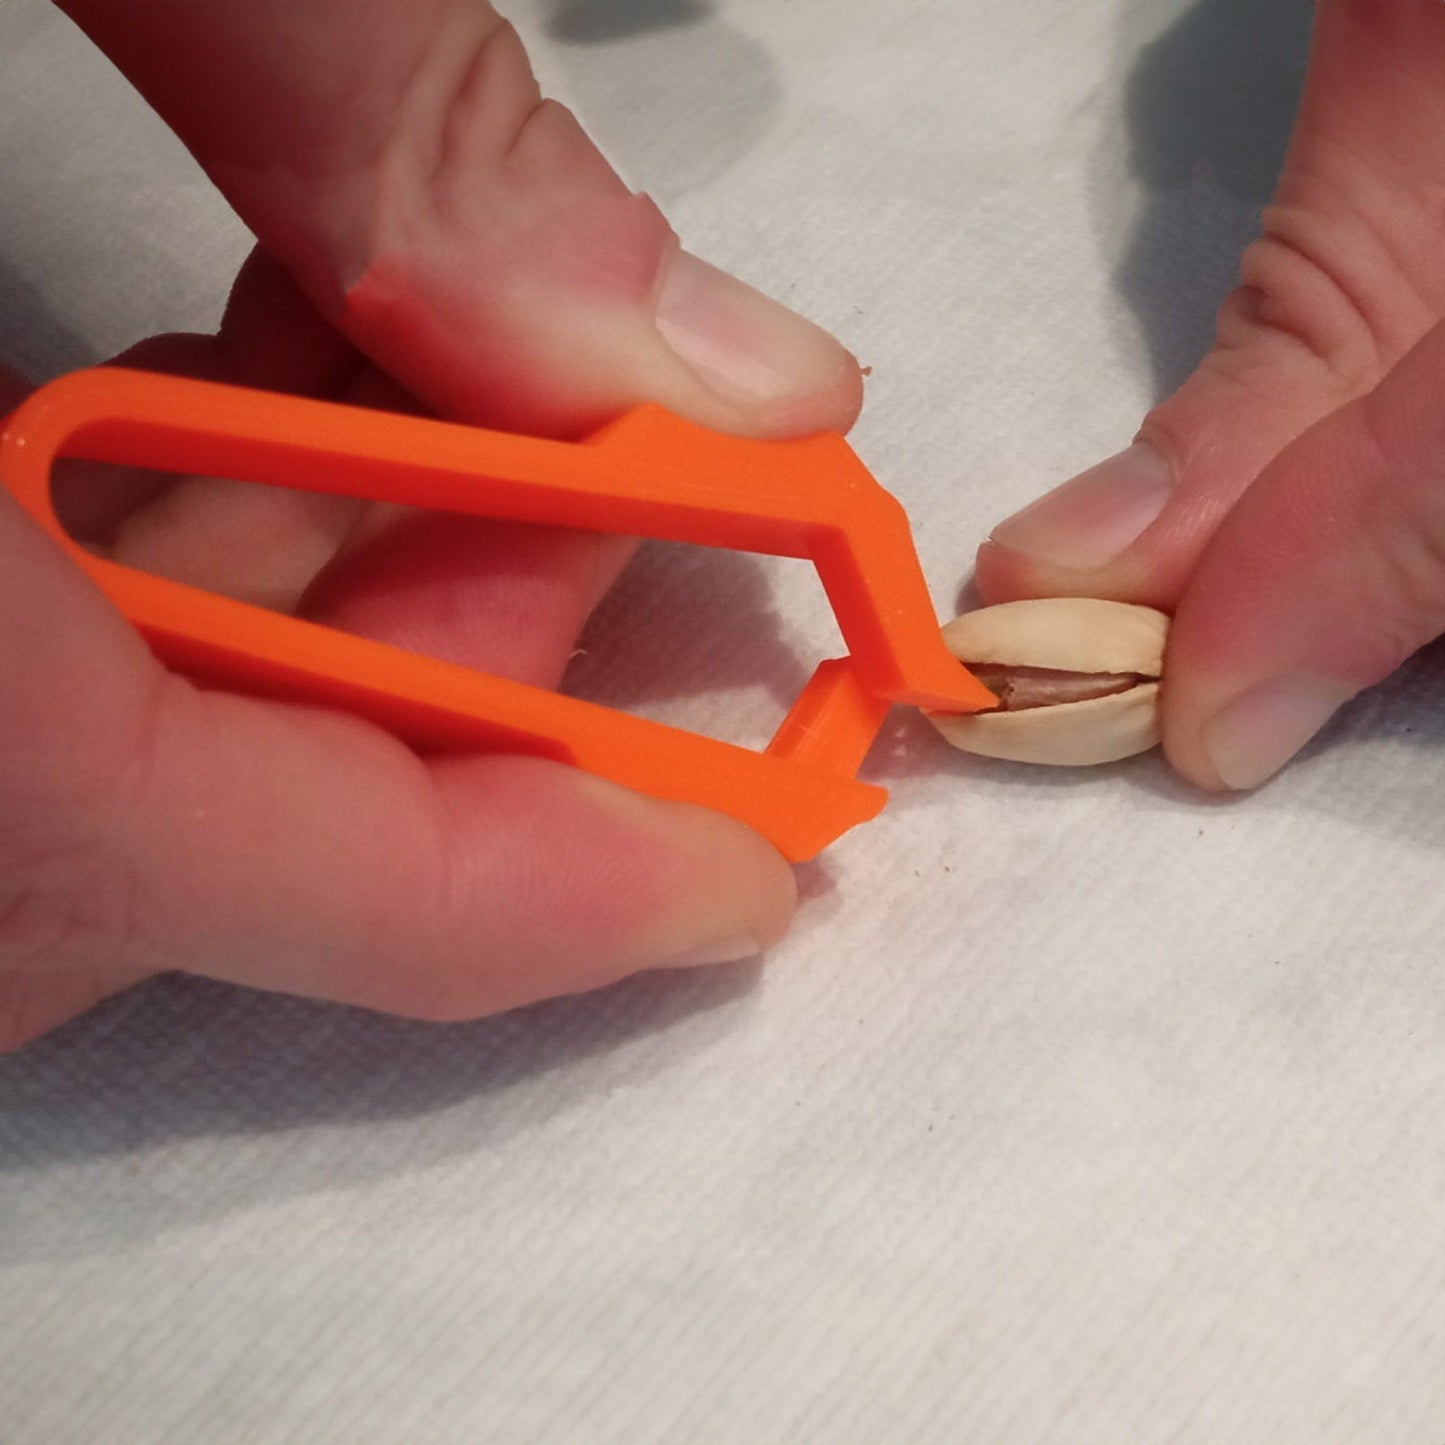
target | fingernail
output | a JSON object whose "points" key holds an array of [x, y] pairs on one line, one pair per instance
{"points": [[724, 950], [741, 343], [1254, 736], [1089, 520]]}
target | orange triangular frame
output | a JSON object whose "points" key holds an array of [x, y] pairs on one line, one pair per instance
{"points": [[649, 474]]}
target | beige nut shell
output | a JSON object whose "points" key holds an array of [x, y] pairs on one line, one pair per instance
{"points": [[1068, 634]]}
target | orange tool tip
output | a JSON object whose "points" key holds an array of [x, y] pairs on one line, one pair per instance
{"points": [[649, 474]]}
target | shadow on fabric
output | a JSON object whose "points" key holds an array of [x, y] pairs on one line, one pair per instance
{"points": [[223, 1098], [586, 22], [32, 341], [1209, 104], [668, 88]]}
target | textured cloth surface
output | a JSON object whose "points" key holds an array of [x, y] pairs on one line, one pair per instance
{"points": [[1075, 1108]]}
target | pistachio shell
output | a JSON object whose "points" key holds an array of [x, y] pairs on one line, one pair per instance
{"points": [[1069, 634], [1077, 735], [1063, 634]]}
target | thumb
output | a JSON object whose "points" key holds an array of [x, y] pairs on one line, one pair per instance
{"points": [[1342, 281], [463, 232], [1324, 578]]}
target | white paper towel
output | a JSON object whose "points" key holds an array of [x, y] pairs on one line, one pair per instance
{"points": [[1075, 1108]]}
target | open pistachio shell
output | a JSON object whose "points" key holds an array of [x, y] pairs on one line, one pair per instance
{"points": [[1077, 639]]}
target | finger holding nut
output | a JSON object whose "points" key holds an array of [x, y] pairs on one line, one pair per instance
{"points": [[1077, 680]]}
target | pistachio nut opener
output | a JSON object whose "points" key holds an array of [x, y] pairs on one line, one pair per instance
{"points": [[649, 474]]}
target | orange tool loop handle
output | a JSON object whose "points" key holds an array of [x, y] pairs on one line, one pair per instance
{"points": [[648, 474]]}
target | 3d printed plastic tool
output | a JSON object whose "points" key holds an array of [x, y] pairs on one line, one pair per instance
{"points": [[649, 474]]}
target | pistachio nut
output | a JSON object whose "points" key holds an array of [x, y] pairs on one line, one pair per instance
{"points": [[1077, 680]]}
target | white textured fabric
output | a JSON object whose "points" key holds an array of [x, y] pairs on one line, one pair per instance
{"points": [[1075, 1108]]}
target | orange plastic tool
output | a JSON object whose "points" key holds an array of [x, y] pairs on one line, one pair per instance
{"points": [[649, 474]]}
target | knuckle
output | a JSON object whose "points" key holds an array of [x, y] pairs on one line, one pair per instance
{"points": [[1325, 279], [469, 106], [63, 903], [1290, 288]]}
